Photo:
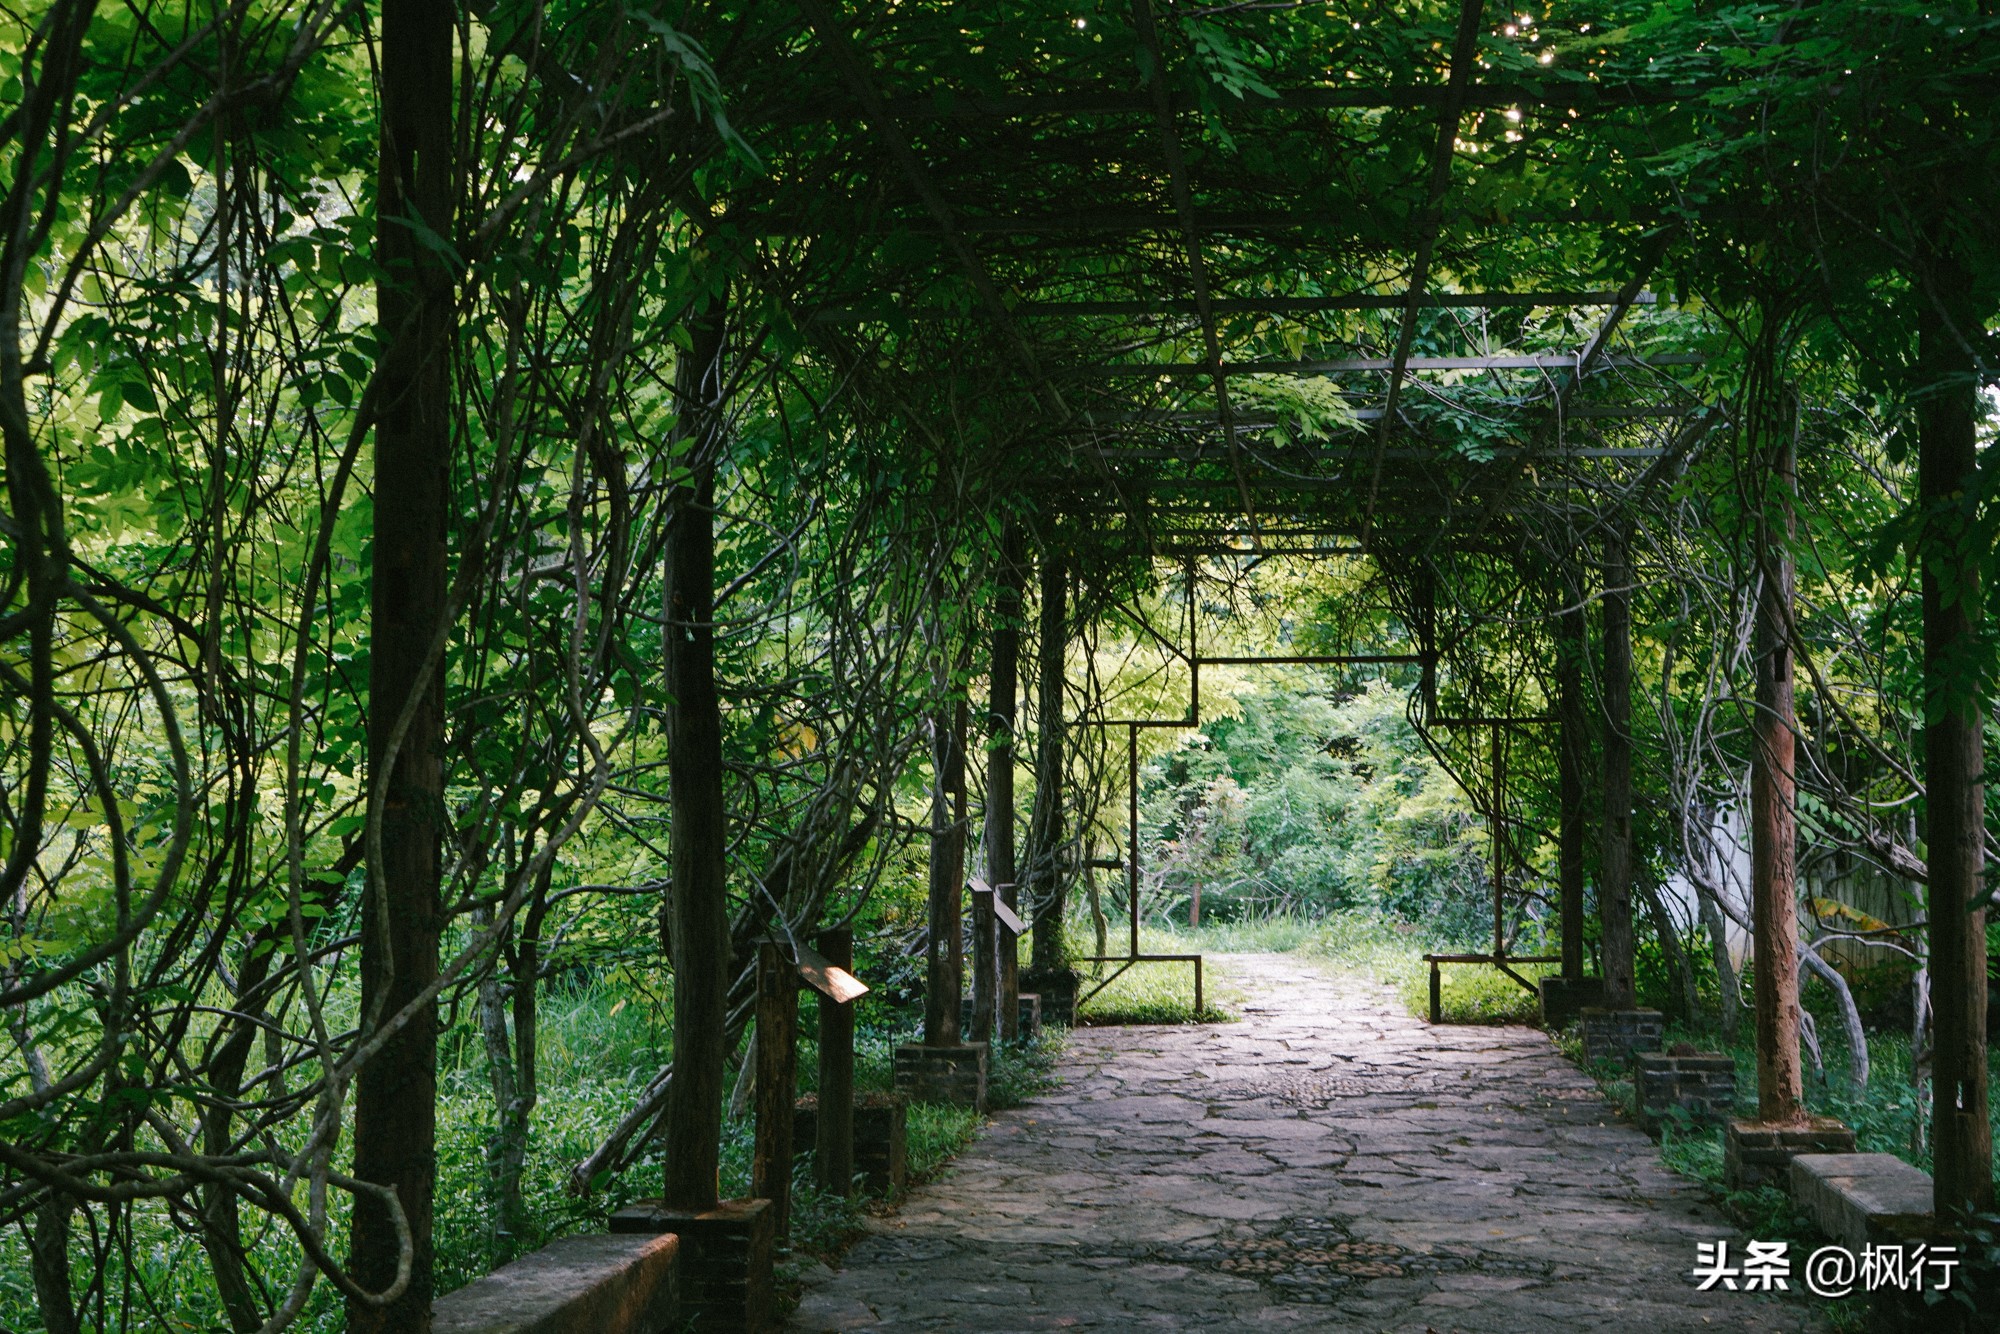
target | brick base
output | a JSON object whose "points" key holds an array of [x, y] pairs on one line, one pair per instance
{"points": [[1564, 998], [881, 1153], [1755, 1153], [1613, 1037], [1030, 1014], [1058, 993], [1694, 1090], [725, 1261], [954, 1075]]}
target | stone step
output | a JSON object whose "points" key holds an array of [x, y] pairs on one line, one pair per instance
{"points": [[1852, 1197], [575, 1285]]}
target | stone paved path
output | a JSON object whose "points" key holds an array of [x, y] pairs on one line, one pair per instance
{"points": [[1327, 1164]]}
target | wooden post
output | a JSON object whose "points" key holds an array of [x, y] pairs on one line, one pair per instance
{"points": [[944, 982], [1614, 871], [1132, 832], [834, 1142], [1954, 799], [395, 1093], [1499, 821], [1572, 747], [983, 961], [1437, 995], [1003, 713], [698, 904], [1045, 830], [777, 1083], [1773, 817]]}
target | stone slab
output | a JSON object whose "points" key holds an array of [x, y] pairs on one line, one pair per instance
{"points": [[597, 1284], [954, 1075], [1564, 998], [1852, 1197], [1755, 1153]]}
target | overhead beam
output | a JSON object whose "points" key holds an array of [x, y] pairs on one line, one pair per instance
{"points": [[1395, 365], [1272, 305], [1184, 216], [1464, 43]]}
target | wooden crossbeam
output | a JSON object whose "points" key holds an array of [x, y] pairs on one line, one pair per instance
{"points": [[1542, 361]]}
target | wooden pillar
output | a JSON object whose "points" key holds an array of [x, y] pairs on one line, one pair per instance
{"points": [[983, 969], [1954, 800], [944, 958], [1045, 830], [1773, 812], [1499, 832], [777, 1083], [833, 1144], [395, 1097], [1005, 680], [1614, 884], [1572, 744], [698, 902]]}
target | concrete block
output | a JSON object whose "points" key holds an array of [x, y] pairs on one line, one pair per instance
{"points": [[1565, 998], [1852, 1197], [1610, 1037], [955, 1075], [881, 1137], [617, 1284], [1755, 1153], [1698, 1088], [726, 1253]]}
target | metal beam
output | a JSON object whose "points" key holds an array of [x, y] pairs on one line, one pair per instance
{"points": [[1184, 216], [1395, 365], [1464, 43]]}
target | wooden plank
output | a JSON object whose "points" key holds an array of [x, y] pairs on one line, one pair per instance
{"points": [[834, 1127], [777, 1055], [1003, 914]]}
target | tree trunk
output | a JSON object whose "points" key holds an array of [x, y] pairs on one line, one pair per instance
{"points": [[395, 1100], [698, 907], [1954, 799], [1614, 883], [1773, 814], [1573, 746], [1045, 830], [1006, 690]]}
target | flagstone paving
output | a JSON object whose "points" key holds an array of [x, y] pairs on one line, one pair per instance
{"points": [[1329, 1163]]}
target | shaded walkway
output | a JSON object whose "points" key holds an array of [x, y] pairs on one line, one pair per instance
{"points": [[1329, 1163]]}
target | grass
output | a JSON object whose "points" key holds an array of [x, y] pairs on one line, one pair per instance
{"points": [[1156, 993]]}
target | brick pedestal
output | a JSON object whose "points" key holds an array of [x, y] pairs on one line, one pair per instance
{"points": [[725, 1262], [1564, 998], [1694, 1090], [1755, 1153], [1613, 1037], [881, 1155], [1058, 993], [1030, 1014], [955, 1075]]}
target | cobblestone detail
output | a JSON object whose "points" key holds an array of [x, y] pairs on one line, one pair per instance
{"points": [[1329, 1163]]}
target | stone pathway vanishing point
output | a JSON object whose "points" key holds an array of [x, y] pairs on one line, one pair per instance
{"points": [[1329, 1163]]}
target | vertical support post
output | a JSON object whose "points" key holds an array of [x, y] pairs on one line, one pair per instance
{"points": [[1437, 995], [833, 1143], [944, 981], [1199, 1003], [698, 907], [1572, 744], [1045, 828], [1614, 884], [777, 1082], [1954, 799], [983, 931], [1003, 710], [1773, 817], [1132, 830], [1499, 820]]}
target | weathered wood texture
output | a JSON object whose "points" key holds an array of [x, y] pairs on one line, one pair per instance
{"points": [[777, 1083], [698, 902], [1004, 678], [833, 1138], [944, 951], [1044, 875], [1773, 813], [395, 1098], [1961, 1136], [1614, 861], [1573, 742]]}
